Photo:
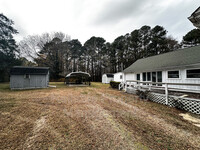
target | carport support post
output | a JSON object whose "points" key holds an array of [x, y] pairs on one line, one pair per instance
{"points": [[166, 93]]}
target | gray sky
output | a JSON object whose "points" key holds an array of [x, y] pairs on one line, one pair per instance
{"points": [[109, 19]]}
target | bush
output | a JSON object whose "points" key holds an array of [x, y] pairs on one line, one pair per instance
{"points": [[58, 80], [114, 84]]}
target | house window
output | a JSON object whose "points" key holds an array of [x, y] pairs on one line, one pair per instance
{"points": [[173, 74], [159, 76], [153, 76], [144, 76], [120, 76], [195, 73], [148, 76], [138, 77]]}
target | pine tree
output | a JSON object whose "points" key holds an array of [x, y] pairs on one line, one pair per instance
{"points": [[8, 47]]}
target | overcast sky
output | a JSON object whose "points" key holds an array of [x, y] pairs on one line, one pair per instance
{"points": [[109, 19]]}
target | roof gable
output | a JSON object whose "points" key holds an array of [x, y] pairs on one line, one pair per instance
{"points": [[109, 75], [195, 11]]}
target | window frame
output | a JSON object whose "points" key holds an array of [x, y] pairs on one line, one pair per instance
{"points": [[144, 76], [137, 76], [191, 69], [179, 74], [150, 76]]}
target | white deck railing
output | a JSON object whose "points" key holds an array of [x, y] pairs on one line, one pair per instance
{"points": [[145, 85], [159, 92]]}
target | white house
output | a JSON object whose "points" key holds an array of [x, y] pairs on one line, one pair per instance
{"points": [[118, 77], [180, 66], [195, 18], [107, 77]]}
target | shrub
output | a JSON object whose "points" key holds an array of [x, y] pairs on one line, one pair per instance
{"points": [[58, 80], [114, 84]]}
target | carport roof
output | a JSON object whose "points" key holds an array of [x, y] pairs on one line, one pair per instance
{"points": [[73, 74]]}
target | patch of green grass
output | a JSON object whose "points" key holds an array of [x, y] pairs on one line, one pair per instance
{"points": [[4, 87], [7, 103], [140, 146], [58, 84], [6, 106], [84, 92], [99, 85]]}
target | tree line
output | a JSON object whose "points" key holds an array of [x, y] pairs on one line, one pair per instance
{"points": [[96, 56]]}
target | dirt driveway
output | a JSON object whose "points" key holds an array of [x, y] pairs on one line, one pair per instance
{"points": [[95, 117]]}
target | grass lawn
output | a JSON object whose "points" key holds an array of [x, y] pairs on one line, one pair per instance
{"points": [[95, 117]]}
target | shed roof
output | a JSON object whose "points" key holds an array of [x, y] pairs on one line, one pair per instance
{"points": [[21, 70], [181, 58], [109, 75]]}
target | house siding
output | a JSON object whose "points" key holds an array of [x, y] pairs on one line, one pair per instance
{"points": [[117, 77], [182, 79]]}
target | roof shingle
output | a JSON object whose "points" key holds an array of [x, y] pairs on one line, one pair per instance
{"points": [[181, 58]]}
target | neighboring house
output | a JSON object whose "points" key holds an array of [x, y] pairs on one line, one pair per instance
{"points": [[118, 77], [107, 77], [29, 77], [180, 66], [195, 18]]}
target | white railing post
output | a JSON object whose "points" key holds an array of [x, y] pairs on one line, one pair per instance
{"points": [[126, 86], [139, 87], [166, 93], [149, 87]]}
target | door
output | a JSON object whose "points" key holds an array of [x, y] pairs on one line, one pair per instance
{"points": [[26, 81]]}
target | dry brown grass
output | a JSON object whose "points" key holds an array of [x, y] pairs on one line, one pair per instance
{"points": [[95, 117]]}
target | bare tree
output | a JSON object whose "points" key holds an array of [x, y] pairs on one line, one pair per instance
{"points": [[31, 45]]}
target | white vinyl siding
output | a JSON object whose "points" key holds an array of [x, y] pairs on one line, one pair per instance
{"points": [[118, 77]]}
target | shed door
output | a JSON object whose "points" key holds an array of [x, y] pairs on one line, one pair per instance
{"points": [[26, 81]]}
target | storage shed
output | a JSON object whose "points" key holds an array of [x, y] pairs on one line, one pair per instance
{"points": [[107, 77], [29, 77]]}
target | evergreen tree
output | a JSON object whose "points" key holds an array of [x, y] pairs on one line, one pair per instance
{"points": [[192, 38], [8, 47], [51, 56], [76, 50], [95, 49]]}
